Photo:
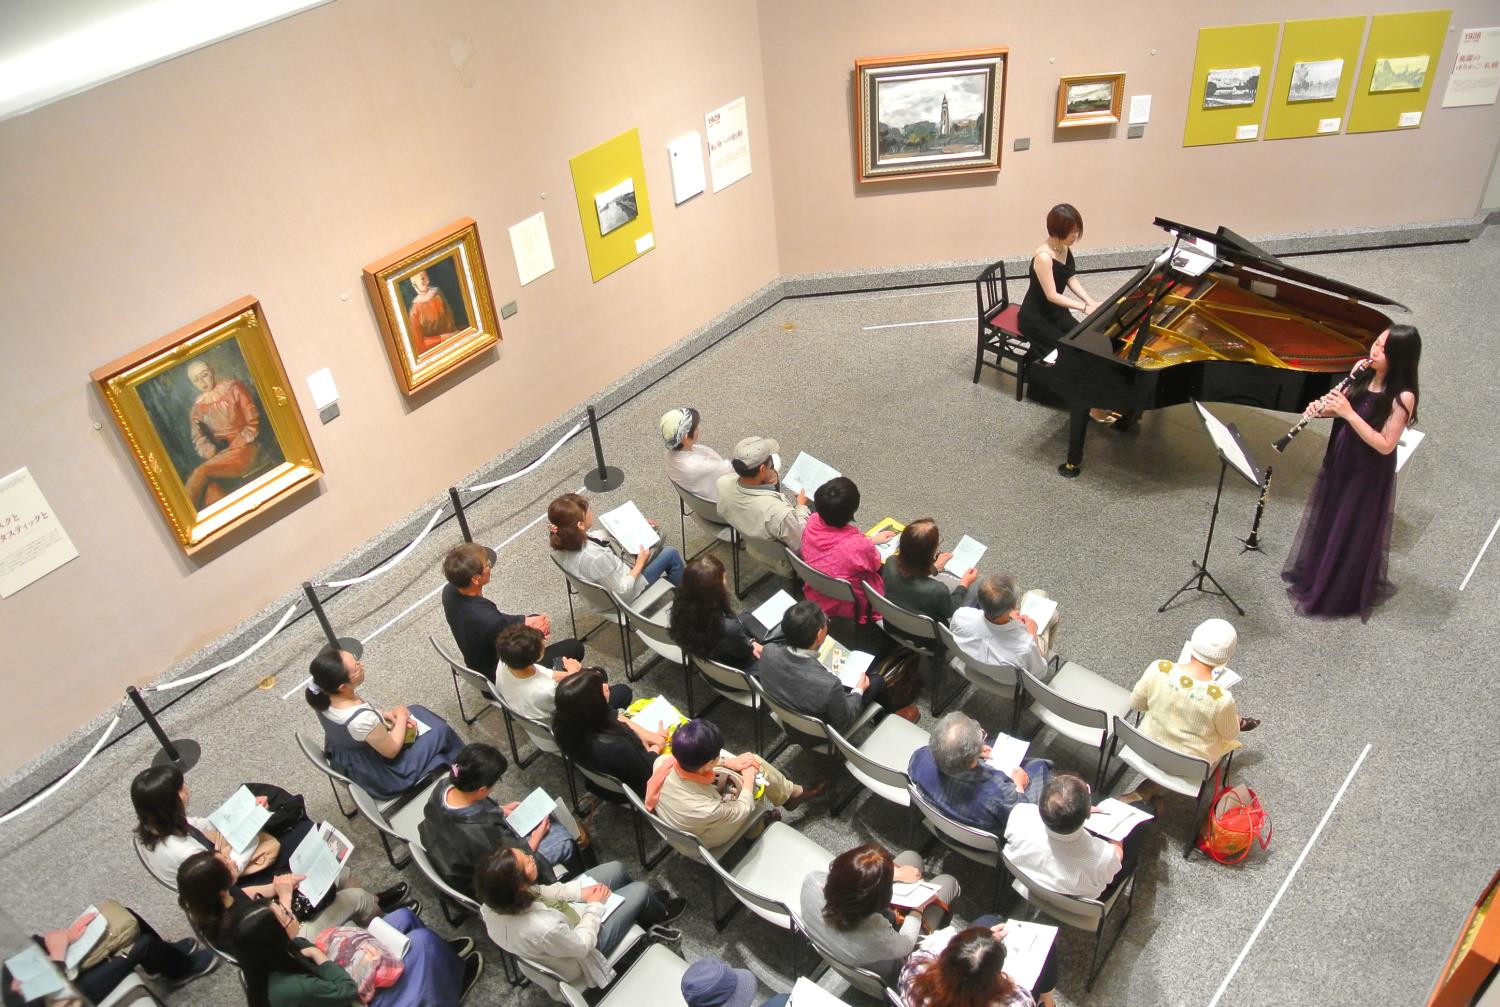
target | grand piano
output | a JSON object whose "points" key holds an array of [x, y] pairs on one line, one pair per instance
{"points": [[1247, 329]]}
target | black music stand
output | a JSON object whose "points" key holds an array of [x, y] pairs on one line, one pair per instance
{"points": [[1232, 454]]}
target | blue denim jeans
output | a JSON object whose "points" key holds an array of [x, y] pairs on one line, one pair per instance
{"points": [[668, 564]]}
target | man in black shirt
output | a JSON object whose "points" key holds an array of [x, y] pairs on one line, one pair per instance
{"points": [[476, 621]]}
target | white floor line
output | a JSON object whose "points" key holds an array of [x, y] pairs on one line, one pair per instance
{"points": [[423, 600], [1482, 550], [903, 325], [925, 292], [1285, 884]]}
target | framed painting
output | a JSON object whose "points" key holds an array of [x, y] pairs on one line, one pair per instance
{"points": [[1398, 73], [1090, 99], [209, 416], [929, 114], [434, 304]]}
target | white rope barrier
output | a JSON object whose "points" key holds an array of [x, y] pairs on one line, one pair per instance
{"points": [[530, 468], [39, 798], [394, 561], [200, 676]]}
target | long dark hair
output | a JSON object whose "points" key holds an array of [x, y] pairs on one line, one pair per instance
{"points": [[156, 793], [582, 711], [699, 607], [969, 973], [1403, 352], [263, 949], [329, 675], [478, 765], [501, 883], [859, 884], [202, 880]]}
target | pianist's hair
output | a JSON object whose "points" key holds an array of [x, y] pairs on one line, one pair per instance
{"points": [[1063, 219], [1403, 351]]}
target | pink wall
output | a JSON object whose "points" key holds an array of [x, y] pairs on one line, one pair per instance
{"points": [[826, 220], [278, 164]]}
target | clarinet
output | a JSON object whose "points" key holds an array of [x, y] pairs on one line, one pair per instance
{"points": [[1342, 386], [1253, 542]]}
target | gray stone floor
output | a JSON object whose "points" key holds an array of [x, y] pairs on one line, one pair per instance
{"points": [[1372, 912]]}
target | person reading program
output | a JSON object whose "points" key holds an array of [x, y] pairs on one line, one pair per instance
{"points": [[751, 500]]}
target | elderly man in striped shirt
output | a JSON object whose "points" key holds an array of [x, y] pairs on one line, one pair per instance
{"points": [[1047, 840]]}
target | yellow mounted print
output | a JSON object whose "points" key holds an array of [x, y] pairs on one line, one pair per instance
{"points": [[610, 183]]}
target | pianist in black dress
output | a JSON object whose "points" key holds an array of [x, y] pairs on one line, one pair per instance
{"points": [[1338, 560], [1055, 290]]}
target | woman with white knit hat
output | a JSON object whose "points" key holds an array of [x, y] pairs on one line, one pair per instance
{"points": [[1181, 705], [693, 466]]}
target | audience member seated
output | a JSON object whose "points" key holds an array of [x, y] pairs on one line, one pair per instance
{"points": [[953, 772], [710, 982], [599, 737], [971, 970], [386, 753], [1184, 708], [462, 823], [793, 676], [476, 621], [531, 689], [704, 623], [695, 467], [832, 544], [543, 923], [847, 908], [595, 561], [750, 499], [282, 969], [997, 633], [1049, 842], [208, 888], [167, 835], [172, 964], [698, 790], [911, 579]]}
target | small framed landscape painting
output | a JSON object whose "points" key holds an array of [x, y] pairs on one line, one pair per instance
{"points": [[434, 304], [209, 416], [929, 114], [1231, 87], [1090, 99]]}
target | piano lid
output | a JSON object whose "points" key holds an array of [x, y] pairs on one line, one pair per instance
{"points": [[1242, 252]]}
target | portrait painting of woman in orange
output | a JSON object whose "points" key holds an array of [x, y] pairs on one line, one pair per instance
{"points": [[434, 305]]}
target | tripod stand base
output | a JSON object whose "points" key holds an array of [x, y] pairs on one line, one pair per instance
{"points": [[1248, 545], [1195, 583], [612, 478], [188, 750]]}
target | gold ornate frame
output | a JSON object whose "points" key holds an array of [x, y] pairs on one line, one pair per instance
{"points": [[119, 383], [869, 71], [382, 281], [1101, 117]]}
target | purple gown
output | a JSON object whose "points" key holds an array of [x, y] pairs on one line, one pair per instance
{"points": [[1338, 560]]}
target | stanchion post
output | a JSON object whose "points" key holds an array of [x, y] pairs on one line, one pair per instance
{"points": [[347, 643], [183, 753], [458, 512], [605, 477]]}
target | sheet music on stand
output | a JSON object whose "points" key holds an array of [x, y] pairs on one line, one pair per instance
{"points": [[1231, 447]]}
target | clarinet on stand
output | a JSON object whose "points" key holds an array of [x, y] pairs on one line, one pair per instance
{"points": [[1252, 542], [1342, 386]]}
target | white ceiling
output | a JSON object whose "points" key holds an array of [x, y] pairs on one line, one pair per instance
{"points": [[50, 49]]}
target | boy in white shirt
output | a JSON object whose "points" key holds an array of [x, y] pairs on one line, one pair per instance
{"points": [[530, 688]]}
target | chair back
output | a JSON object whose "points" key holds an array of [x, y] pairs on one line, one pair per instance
{"points": [[891, 776], [790, 719], [703, 509], [865, 980], [430, 872], [539, 732], [771, 910], [653, 633], [319, 759], [597, 598], [683, 842], [1159, 762], [548, 981], [991, 291], [731, 683], [920, 627], [836, 588], [996, 679], [601, 780], [1085, 914], [398, 818], [463, 672], [1049, 699], [130, 990], [976, 844]]}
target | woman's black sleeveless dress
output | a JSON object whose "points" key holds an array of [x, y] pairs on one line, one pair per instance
{"points": [[1041, 319]]}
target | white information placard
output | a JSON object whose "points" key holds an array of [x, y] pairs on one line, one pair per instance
{"points": [[1140, 109], [686, 157], [728, 144], [1475, 79], [532, 248], [32, 540]]}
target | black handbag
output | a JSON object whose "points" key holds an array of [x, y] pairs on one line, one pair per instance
{"points": [[287, 810]]}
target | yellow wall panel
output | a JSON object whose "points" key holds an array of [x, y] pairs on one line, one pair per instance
{"points": [[1226, 48], [597, 172], [1314, 42], [1397, 36]]}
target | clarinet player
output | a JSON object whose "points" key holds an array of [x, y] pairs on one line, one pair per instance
{"points": [[1337, 566]]}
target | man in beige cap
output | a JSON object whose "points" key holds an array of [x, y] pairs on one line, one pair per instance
{"points": [[751, 500], [695, 467]]}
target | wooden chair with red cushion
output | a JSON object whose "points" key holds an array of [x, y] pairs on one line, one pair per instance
{"points": [[999, 327]]}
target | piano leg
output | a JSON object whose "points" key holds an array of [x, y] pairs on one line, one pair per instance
{"points": [[1078, 426]]}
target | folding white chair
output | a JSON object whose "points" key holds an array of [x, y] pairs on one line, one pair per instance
{"points": [[728, 683], [976, 844], [615, 787], [918, 633], [1079, 705], [1000, 680], [658, 982], [837, 588], [394, 820], [1177, 771], [1089, 915], [470, 678], [319, 759], [539, 733], [455, 904], [690, 504], [132, 989], [768, 877], [867, 981], [879, 762], [653, 632], [602, 603], [685, 843], [806, 726]]}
